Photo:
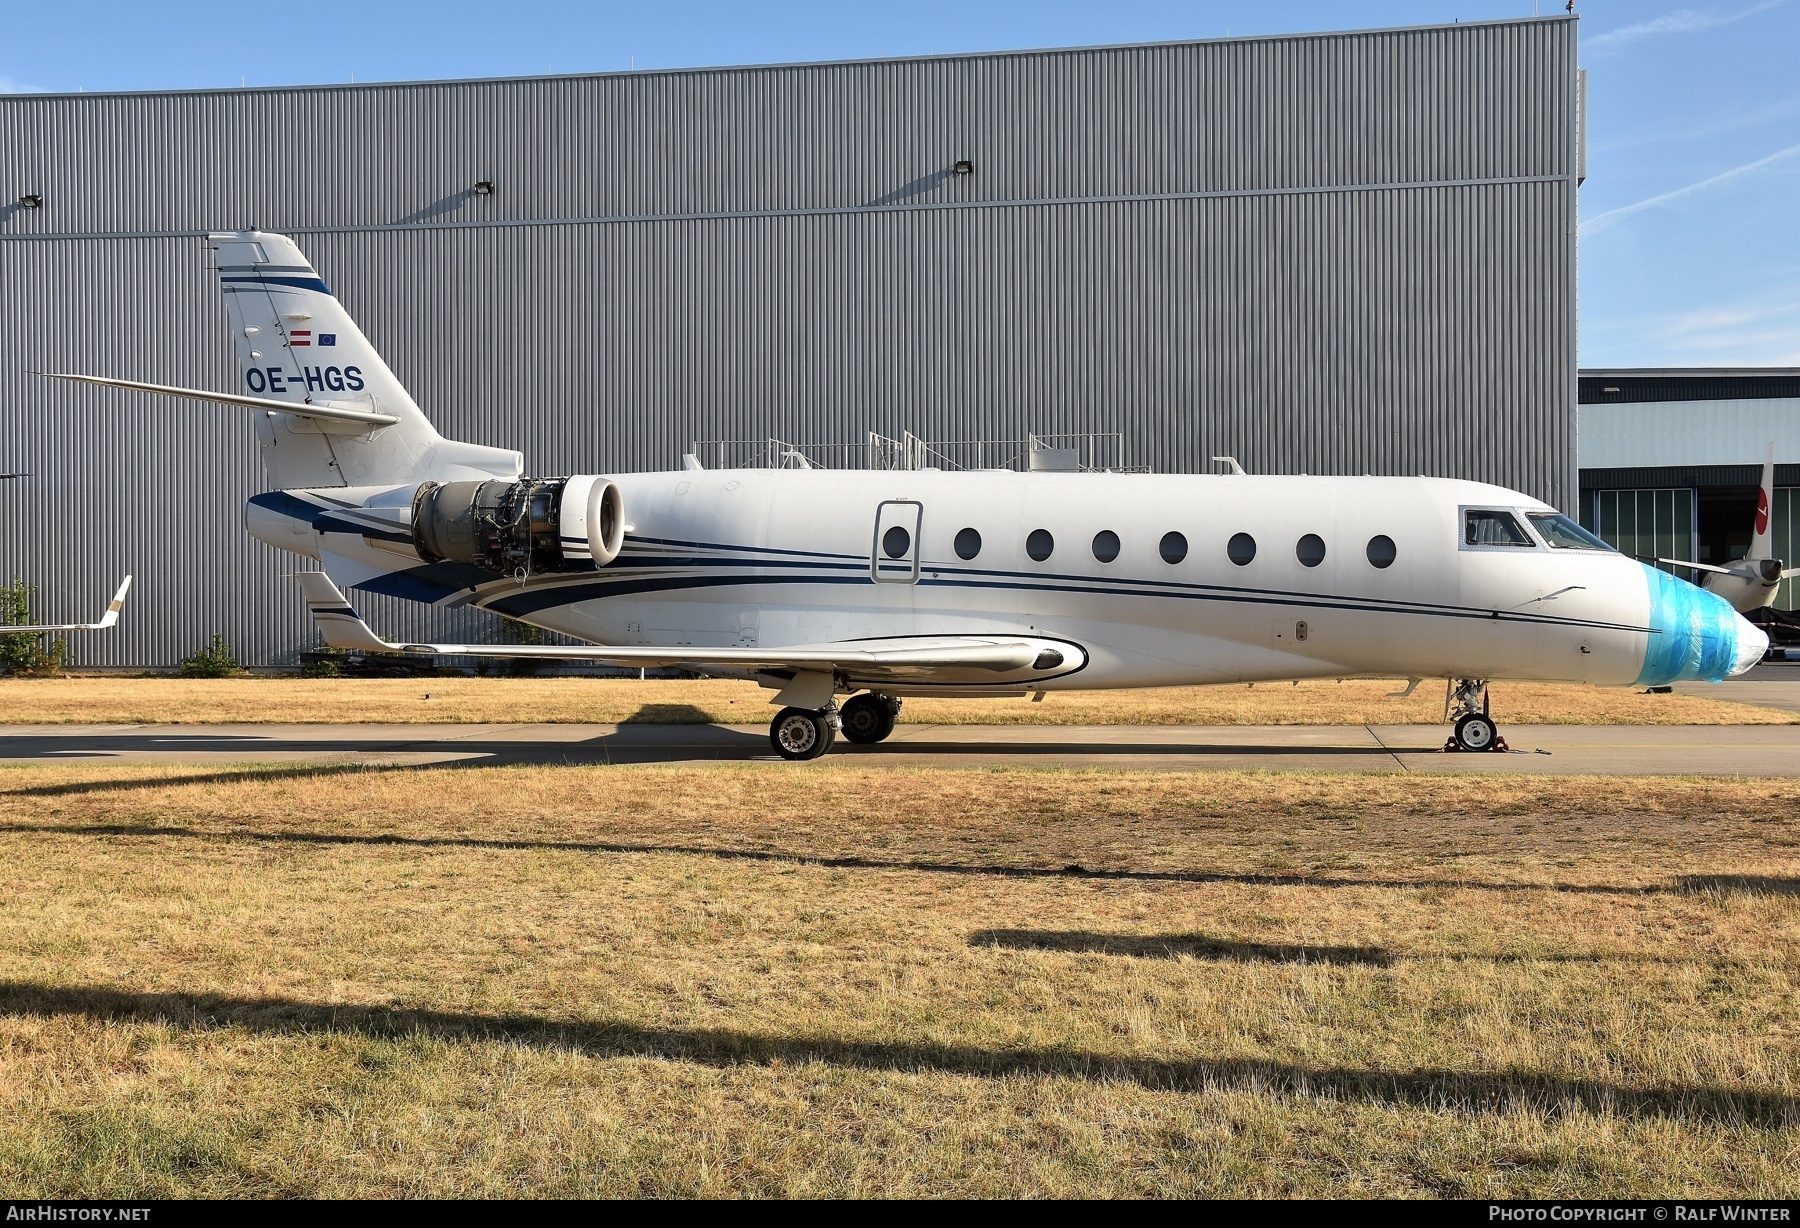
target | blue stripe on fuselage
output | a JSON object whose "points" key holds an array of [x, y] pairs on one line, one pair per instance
{"points": [[1037, 581], [298, 283], [520, 603]]}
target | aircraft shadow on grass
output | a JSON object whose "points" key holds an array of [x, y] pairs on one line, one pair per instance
{"points": [[1173, 946], [668, 714], [1711, 883], [1206, 947], [1738, 884], [674, 733], [1459, 1090]]}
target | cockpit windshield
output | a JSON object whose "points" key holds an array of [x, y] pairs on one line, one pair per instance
{"points": [[1482, 527], [1563, 533]]}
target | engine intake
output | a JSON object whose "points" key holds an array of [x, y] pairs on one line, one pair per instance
{"points": [[522, 527]]}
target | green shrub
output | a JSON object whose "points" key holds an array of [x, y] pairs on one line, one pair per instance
{"points": [[26, 654], [216, 660]]}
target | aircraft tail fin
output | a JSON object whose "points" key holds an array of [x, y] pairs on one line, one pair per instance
{"points": [[295, 344], [1762, 543]]}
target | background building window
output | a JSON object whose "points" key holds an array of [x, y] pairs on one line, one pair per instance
{"points": [[1649, 525]]}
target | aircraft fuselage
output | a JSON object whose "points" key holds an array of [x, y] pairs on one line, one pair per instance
{"points": [[1158, 579]]}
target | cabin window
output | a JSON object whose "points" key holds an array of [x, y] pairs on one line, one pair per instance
{"points": [[1040, 544], [1106, 545], [1492, 528], [1241, 549], [1563, 533], [1173, 548], [1310, 550], [968, 544], [895, 542], [1381, 551]]}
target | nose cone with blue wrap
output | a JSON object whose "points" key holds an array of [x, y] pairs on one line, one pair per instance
{"points": [[1695, 636]]}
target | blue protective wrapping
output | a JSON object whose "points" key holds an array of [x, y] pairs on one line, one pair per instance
{"points": [[1693, 633]]}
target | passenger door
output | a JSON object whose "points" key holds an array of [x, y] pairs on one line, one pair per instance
{"points": [[894, 551]]}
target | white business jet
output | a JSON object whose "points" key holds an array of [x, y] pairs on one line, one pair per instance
{"points": [[1749, 583], [885, 584]]}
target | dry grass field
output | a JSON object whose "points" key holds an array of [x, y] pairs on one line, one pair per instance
{"points": [[132, 701], [768, 979]]}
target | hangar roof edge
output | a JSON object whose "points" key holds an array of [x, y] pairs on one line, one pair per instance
{"points": [[1011, 53]]}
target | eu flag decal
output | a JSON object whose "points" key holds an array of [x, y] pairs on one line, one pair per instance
{"points": [[327, 338]]}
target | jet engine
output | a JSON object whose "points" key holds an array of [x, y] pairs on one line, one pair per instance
{"points": [[522, 527]]}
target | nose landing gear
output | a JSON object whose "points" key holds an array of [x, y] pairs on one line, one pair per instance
{"points": [[1467, 704]]}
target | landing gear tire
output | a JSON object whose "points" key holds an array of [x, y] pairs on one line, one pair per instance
{"points": [[1476, 732], [796, 733], [869, 717]]}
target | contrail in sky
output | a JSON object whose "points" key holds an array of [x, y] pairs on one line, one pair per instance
{"points": [[1600, 221], [1681, 21]]}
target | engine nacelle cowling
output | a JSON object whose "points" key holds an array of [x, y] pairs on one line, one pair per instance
{"points": [[592, 520], [521, 527]]}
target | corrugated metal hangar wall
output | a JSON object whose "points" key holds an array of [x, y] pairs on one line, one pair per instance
{"points": [[1325, 254]]}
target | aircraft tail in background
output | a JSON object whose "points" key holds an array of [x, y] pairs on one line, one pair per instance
{"points": [[1761, 546]]}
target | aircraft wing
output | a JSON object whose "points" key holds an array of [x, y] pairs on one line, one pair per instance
{"points": [[1724, 571], [328, 411], [1000, 658], [106, 620]]}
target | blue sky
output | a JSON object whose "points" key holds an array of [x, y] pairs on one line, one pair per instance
{"points": [[1690, 251]]}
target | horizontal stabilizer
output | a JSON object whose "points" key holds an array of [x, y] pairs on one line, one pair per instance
{"points": [[327, 411], [915, 657], [106, 620]]}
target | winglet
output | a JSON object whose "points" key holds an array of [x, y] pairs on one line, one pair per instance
{"points": [[114, 606], [338, 621]]}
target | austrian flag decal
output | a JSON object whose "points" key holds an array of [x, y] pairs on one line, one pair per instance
{"points": [[300, 337]]}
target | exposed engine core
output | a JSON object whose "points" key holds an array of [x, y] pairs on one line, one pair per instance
{"points": [[522, 527]]}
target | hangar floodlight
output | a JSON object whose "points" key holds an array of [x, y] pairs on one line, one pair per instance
{"points": [[484, 187], [964, 167], [31, 200]]}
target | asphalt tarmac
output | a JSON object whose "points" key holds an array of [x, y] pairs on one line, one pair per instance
{"points": [[1737, 750]]}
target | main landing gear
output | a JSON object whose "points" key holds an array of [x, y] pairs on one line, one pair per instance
{"points": [[1467, 705], [797, 733], [870, 717]]}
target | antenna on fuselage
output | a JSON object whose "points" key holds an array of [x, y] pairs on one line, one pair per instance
{"points": [[1236, 468]]}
